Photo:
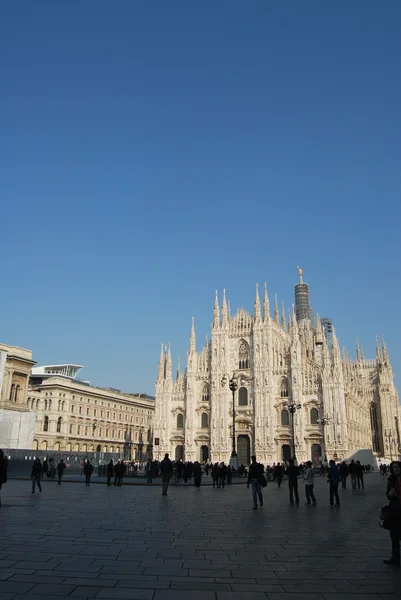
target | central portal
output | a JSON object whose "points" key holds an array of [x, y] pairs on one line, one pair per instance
{"points": [[244, 450]]}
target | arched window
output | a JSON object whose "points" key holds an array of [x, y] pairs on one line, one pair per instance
{"points": [[107, 433], [59, 424], [285, 417], [205, 421], [284, 388], [12, 392], [17, 391], [35, 445], [314, 416], [242, 397], [243, 355], [205, 393], [46, 424], [375, 429], [180, 421], [50, 404]]}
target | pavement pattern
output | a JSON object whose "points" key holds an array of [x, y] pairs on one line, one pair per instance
{"points": [[133, 543]]}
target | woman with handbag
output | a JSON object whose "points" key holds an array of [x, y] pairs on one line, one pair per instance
{"points": [[393, 523]]}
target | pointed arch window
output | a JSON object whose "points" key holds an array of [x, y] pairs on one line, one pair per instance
{"points": [[242, 397], [285, 417], [59, 421], [205, 421], [180, 421], [243, 355], [46, 424], [205, 393], [284, 388], [314, 415]]}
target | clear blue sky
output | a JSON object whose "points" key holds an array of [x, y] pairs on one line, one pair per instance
{"points": [[152, 152]]}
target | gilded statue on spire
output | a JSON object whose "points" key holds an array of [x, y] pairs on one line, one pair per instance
{"points": [[300, 274]]}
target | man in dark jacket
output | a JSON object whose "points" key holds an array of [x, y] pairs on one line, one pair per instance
{"points": [[278, 472], [359, 475], [60, 471], [88, 470], [254, 474], [352, 471], [393, 494], [36, 474], [334, 480], [3, 470], [292, 474], [344, 474], [110, 471], [166, 470]]}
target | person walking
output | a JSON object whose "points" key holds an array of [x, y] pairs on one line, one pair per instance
{"points": [[343, 474], [352, 470], [292, 474], [393, 494], [60, 470], [110, 471], [309, 479], [166, 470], [222, 475], [334, 480], [88, 470], [3, 471], [254, 474], [36, 474], [197, 475], [359, 475], [149, 471], [215, 475], [45, 468], [278, 471]]}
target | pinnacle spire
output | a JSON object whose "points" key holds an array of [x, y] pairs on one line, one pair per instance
{"points": [[283, 321], [266, 304], [192, 338], [257, 303], [216, 311], [224, 310], [161, 364], [385, 352], [168, 362], [276, 316], [179, 368], [358, 351]]}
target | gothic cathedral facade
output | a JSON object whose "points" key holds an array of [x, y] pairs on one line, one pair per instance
{"points": [[297, 394]]}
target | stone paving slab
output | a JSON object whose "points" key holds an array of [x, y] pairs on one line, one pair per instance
{"points": [[77, 542]]}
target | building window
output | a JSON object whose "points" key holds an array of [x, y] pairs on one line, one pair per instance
{"points": [[284, 388], [87, 412], [46, 424], [314, 416], [242, 397], [80, 410], [285, 418], [243, 355], [79, 430], [95, 413], [180, 421], [17, 391], [71, 429], [72, 408], [107, 433], [205, 393], [205, 420], [59, 424], [12, 392]]}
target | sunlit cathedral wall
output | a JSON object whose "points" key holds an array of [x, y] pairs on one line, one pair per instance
{"points": [[280, 362]]}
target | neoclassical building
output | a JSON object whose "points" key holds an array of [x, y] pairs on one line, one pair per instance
{"points": [[74, 416], [343, 407]]}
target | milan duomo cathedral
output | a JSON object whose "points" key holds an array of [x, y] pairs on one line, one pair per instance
{"points": [[297, 393]]}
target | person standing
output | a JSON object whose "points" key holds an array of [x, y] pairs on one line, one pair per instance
{"points": [[3, 470], [334, 480], [278, 471], [309, 480], [36, 474], [292, 474], [197, 475], [352, 471], [45, 468], [344, 474], [88, 470], [393, 494], [60, 471], [254, 474], [222, 475], [109, 471], [149, 471], [166, 470], [359, 474], [215, 475]]}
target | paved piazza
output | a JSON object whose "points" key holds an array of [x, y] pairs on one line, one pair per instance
{"points": [[131, 542]]}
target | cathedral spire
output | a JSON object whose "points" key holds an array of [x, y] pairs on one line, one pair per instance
{"points": [[224, 311], [216, 312], [192, 338], [385, 352], [168, 363], [378, 350], [283, 321], [161, 371], [294, 323], [229, 310], [266, 305], [179, 369], [335, 348], [276, 315], [257, 304], [358, 351]]}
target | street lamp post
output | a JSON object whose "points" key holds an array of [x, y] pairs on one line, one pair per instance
{"points": [[233, 385], [293, 407], [323, 421]]}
